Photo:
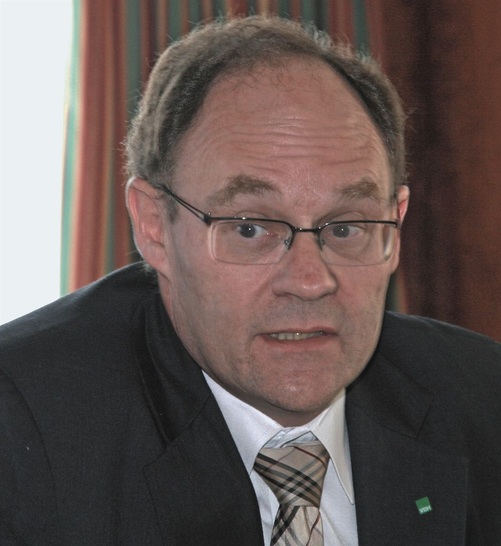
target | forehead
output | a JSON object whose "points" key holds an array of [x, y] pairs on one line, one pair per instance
{"points": [[296, 127]]}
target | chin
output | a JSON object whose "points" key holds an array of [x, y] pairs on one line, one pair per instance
{"points": [[296, 406]]}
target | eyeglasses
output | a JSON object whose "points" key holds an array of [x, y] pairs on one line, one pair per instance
{"points": [[343, 241]]}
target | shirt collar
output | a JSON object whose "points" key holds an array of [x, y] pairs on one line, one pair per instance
{"points": [[252, 429]]}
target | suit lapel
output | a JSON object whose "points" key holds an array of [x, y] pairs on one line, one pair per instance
{"points": [[201, 489], [199, 486], [406, 491]]}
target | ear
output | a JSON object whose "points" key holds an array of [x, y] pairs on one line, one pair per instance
{"points": [[148, 216], [403, 195]]}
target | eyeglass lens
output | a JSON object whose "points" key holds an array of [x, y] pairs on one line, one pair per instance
{"points": [[263, 242]]}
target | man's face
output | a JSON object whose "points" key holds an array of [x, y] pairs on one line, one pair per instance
{"points": [[292, 144]]}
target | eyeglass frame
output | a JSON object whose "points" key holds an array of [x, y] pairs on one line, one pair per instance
{"points": [[208, 219]]}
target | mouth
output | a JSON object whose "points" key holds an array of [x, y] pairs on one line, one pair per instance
{"points": [[297, 336]]}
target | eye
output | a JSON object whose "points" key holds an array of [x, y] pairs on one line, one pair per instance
{"points": [[251, 231], [345, 231]]}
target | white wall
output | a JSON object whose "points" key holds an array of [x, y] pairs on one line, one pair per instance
{"points": [[35, 45]]}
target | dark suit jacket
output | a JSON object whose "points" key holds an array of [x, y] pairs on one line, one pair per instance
{"points": [[109, 434]]}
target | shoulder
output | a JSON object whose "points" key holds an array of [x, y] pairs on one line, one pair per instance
{"points": [[418, 336], [439, 386], [444, 358], [68, 364], [96, 318], [72, 404]]}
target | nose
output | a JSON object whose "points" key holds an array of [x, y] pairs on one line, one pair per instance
{"points": [[303, 273]]}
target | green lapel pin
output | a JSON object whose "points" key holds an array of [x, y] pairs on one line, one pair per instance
{"points": [[423, 505]]}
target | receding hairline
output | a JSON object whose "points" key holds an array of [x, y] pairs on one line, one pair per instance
{"points": [[280, 62], [202, 56]]}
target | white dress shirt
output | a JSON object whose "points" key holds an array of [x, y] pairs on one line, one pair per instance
{"points": [[253, 430]]}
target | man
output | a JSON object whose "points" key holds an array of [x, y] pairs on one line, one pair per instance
{"points": [[267, 191]]}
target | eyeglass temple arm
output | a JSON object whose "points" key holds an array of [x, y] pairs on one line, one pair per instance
{"points": [[204, 216]]}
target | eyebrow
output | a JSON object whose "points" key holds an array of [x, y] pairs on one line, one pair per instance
{"points": [[363, 189], [240, 184], [243, 184]]}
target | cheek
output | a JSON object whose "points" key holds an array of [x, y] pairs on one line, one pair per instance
{"points": [[212, 302], [364, 294], [362, 283]]}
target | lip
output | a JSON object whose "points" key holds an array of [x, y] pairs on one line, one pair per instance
{"points": [[299, 334]]}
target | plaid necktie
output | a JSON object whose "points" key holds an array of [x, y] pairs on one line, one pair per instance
{"points": [[296, 475]]}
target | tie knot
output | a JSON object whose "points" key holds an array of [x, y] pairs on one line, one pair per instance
{"points": [[295, 474]]}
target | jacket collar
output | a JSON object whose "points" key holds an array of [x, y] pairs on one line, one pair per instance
{"points": [[407, 491], [200, 480]]}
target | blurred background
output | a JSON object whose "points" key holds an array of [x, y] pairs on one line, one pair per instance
{"points": [[72, 74]]}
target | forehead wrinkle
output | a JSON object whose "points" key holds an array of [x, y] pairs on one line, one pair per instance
{"points": [[241, 184]]}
